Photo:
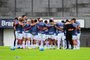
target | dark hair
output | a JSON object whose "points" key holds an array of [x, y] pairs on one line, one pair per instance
{"points": [[23, 16], [16, 18], [46, 21], [73, 19], [67, 20], [20, 19], [35, 20], [50, 20], [63, 21], [32, 21], [38, 18]]}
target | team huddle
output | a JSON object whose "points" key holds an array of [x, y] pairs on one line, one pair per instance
{"points": [[34, 33]]}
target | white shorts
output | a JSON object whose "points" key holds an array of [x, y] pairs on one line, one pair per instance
{"points": [[16, 33], [78, 36], [60, 36], [46, 37], [27, 35], [74, 37], [41, 36], [20, 36], [34, 37], [51, 36]]}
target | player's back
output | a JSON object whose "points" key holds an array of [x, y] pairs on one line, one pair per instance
{"points": [[51, 29], [34, 29], [41, 25]]}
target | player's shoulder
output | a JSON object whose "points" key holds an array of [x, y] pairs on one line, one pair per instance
{"points": [[59, 23], [77, 22]]}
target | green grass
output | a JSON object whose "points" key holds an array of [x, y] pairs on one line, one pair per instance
{"points": [[35, 54]]}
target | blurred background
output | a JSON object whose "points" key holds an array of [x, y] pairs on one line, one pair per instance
{"points": [[59, 9]]}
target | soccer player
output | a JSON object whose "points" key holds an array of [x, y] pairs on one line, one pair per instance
{"points": [[27, 34], [74, 33], [69, 28], [15, 22], [34, 32], [78, 32], [24, 17], [60, 34], [15, 25], [46, 35], [20, 26], [41, 31], [51, 33]]}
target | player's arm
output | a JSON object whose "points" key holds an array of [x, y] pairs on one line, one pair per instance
{"points": [[78, 27], [45, 28], [39, 28], [56, 27], [59, 28], [33, 24], [14, 25], [28, 28], [21, 23], [72, 28]]}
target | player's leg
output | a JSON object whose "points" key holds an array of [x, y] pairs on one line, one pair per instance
{"points": [[29, 40], [42, 40], [32, 38], [59, 41], [63, 40], [37, 40], [20, 41], [78, 40], [74, 38], [16, 37], [49, 39], [24, 39], [46, 42], [53, 41]]}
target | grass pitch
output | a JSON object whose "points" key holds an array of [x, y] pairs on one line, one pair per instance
{"points": [[36, 54]]}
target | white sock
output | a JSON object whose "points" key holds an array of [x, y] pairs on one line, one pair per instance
{"points": [[74, 46], [58, 42], [20, 46], [31, 43], [78, 43], [47, 43], [69, 45], [63, 42], [41, 42], [16, 43], [23, 43], [28, 43], [37, 43]]}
